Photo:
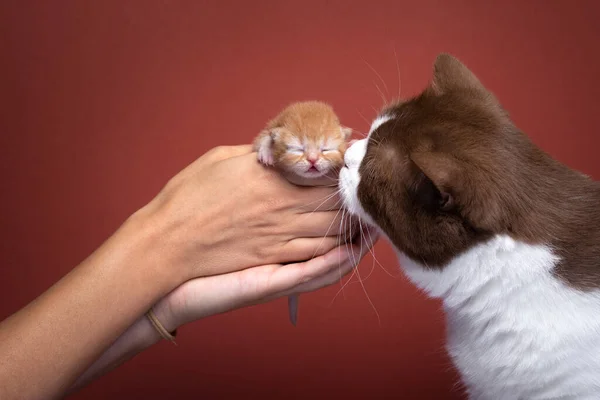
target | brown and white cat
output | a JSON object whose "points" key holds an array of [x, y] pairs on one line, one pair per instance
{"points": [[505, 235]]}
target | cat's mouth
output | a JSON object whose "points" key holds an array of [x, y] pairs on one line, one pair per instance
{"points": [[313, 170]]}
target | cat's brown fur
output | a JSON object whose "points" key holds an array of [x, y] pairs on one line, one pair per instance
{"points": [[457, 171]]}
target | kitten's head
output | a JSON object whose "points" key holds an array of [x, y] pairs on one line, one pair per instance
{"points": [[308, 139], [442, 171]]}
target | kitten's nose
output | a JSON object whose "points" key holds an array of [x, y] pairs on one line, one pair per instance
{"points": [[312, 160]]}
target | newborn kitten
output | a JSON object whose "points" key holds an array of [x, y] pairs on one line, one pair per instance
{"points": [[482, 218], [306, 143], [305, 139]]}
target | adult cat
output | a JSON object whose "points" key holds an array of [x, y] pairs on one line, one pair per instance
{"points": [[508, 237]]}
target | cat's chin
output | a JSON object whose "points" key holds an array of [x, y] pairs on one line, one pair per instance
{"points": [[328, 179]]}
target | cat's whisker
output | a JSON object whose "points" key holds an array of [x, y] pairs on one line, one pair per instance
{"points": [[398, 69], [331, 178], [344, 285], [354, 270], [374, 141], [334, 205], [326, 233], [359, 132], [370, 272], [322, 200], [363, 117], [375, 260], [377, 74], [345, 217], [352, 239], [366, 277], [343, 232], [354, 261], [349, 219], [358, 274], [383, 99], [341, 290]]}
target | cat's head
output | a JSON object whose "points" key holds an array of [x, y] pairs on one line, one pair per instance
{"points": [[442, 171], [308, 139]]}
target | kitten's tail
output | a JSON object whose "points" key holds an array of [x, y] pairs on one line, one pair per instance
{"points": [[293, 308]]}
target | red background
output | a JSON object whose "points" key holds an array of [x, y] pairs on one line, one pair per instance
{"points": [[102, 101]]}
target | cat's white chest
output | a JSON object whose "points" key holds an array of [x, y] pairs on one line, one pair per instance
{"points": [[514, 330]]}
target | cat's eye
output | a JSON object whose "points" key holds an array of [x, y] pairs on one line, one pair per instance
{"points": [[295, 149], [328, 150], [431, 197], [446, 202]]}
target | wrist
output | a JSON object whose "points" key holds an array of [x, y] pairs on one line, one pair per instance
{"points": [[166, 315], [147, 235]]}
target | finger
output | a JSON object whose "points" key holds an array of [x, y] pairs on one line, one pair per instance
{"points": [[206, 296], [312, 274], [318, 224], [202, 297], [216, 294], [330, 278], [319, 266], [355, 254], [308, 248]]}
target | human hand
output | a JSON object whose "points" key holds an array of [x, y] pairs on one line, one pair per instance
{"points": [[227, 212], [203, 297]]}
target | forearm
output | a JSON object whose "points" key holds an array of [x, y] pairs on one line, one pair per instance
{"points": [[199, 298], [57, 336], [137, 338]]}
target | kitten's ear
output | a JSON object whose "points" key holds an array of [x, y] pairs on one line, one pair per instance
{"points": [[346, 132], [438, 185], [274, 133], [450, 74]]}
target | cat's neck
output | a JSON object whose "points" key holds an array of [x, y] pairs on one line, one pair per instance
{"points": [[328, 180], [560, 207], [501, 260]]}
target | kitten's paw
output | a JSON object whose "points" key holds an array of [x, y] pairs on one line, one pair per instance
{"points": [[265, 156], [265, 151]]}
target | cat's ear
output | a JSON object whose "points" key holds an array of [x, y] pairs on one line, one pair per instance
{"points": [[438, 183], [450, 74], [275, 133], [346, 132]]}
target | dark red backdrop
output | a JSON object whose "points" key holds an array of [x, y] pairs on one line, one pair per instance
{"points": [[102, 101]]}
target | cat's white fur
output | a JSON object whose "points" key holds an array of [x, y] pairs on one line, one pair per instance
{"points": [[514, 330]]}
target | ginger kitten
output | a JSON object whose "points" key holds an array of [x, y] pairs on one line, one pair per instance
{"points": [[306, 142], [305, 139]]}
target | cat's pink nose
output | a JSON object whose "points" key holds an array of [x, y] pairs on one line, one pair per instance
{"points": [[312, 160]]}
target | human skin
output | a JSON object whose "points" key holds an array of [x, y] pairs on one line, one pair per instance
{"points": [[215, 238]]}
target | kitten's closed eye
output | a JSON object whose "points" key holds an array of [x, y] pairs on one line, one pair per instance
{"points": [[295, 149]]}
